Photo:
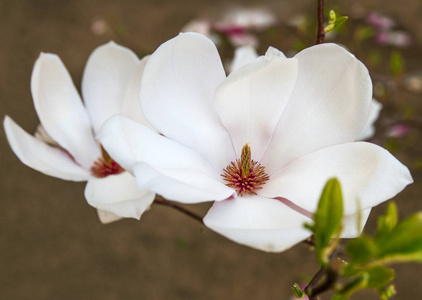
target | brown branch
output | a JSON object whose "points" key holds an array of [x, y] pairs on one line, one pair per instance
{"points": [[162, 201], [321, 30]]}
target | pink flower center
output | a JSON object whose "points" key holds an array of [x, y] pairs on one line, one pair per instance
{"points": [[105, 166], [245, 175]]}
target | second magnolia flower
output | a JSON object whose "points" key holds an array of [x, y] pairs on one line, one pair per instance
{"points": [[261, 142]]}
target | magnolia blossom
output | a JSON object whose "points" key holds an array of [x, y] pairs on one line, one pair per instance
{"points": [[65, 147], [246, 54], [261, 142]]}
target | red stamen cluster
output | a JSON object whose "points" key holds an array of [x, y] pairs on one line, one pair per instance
{"points": [[103, 168], [245, 175]]}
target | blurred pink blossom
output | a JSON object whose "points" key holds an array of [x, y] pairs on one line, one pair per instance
{"points": [[380, 21], [238, 25], [399, 130], [397, 38]]}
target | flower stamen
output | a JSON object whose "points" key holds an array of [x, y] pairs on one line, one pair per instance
{"points": [[105, 166], [245, 175]]}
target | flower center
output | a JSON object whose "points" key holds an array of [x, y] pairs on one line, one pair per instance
{"points": [[245, 175], [105, 166]]}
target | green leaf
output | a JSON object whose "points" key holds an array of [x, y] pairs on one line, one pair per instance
{"points": [[328, 218], [404, 242], [354, 285], [379, 276], [340, 21], [387, 222], [361, 250], [298, 291], [334, 22], [387, 293], [396, 63]]}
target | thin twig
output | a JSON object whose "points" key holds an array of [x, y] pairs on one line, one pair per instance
{"points": [[309, 289], [321, 30], [162, 201]]}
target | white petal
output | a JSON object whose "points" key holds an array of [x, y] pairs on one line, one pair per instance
{"points": [[374, 113], [243, 56], [105, 83], [60, 109], [129, 142], [118, 194], [329, 105], [257, 222], [177, 92], [106, 217], [131, 107], [187, 185], [367, 173], [251, 100], [350, 227], [40, 156]]}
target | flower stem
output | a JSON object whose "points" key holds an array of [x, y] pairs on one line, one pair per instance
{"points": [[321, 30], [162, 201]]}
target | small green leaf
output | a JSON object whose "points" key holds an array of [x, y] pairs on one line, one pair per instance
{"points": [[354, 285], [334, 22], [340, 21], [379, 276], [361, 250], [328, 218], [387, 293], [387, 222], [298, 291], [404, 242]]}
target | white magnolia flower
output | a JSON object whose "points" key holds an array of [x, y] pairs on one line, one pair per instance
{"points": [[66, 147], [261, 143], [247, 54]]}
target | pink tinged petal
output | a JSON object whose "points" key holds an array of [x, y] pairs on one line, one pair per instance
{"points": [[186, 185], [257, 222], [243, 56], [369, 129], [129, 142], [177, 92], [61, 111], [367, 173], [351, 229], [328, 106], [118, 194], [251, 100], [40, 156], [105, 82], [106, 217]]}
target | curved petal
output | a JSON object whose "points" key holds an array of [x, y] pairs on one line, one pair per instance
{"points": [[131, 107], [186, 185], [243, 56], [118, 194], [369, 129], [257, 222], [40, 156], [367, 173], [129, 142], [105, 83], [329, 105], [106, 217], [251, 100], [60, 109], [351, 229], [177, 92]]}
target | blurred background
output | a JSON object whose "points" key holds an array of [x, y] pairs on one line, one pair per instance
{"points": [[52, 245]]}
